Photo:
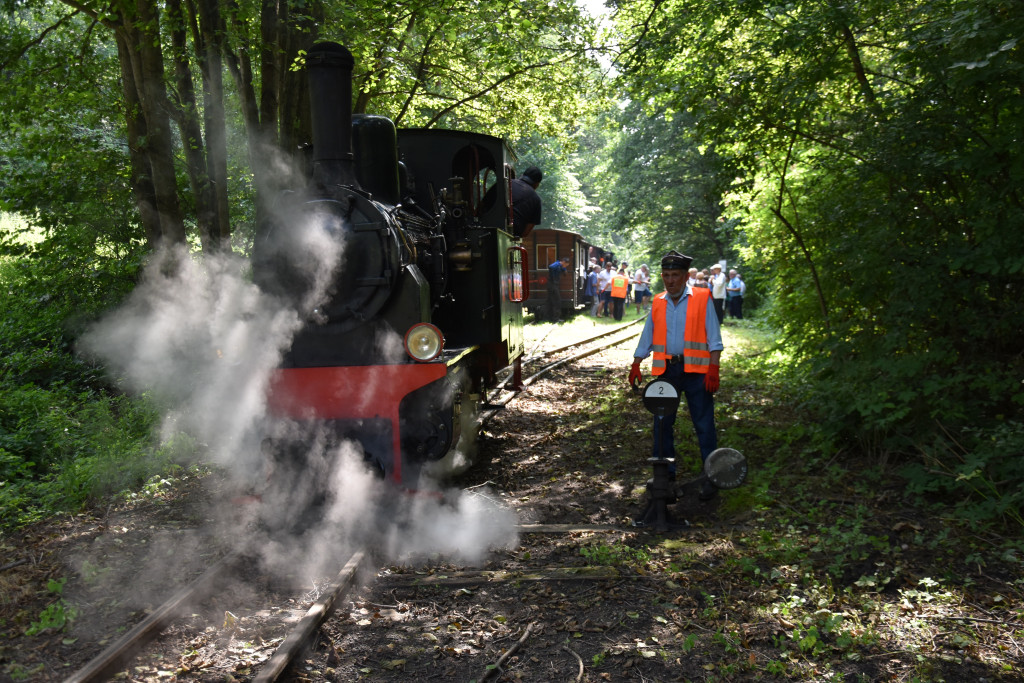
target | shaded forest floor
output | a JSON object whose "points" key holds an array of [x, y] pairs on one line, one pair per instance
{"points": [[818, 568]]}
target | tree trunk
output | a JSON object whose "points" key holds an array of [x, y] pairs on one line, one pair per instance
{"points": [[240, 68], [277, 121], [208, 49], [141, 177], [273, 15], [850, 42], [187, 116], [141, 35], [293, 94]]}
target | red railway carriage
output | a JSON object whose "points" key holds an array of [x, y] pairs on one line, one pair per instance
{"points": [[544, 246]]}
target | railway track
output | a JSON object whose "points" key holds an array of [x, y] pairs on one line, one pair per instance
{"points": [[537, 364], [118, 660], [118, 657], [108, 662]]}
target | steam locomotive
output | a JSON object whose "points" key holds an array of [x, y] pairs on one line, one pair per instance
{"points": [[400, 256]]}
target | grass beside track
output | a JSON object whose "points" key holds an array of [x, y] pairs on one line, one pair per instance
{"points": [[825, 567]]}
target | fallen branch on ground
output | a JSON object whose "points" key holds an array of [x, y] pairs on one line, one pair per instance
{"points": [[496, 667], [12, 565], [579, 676]]}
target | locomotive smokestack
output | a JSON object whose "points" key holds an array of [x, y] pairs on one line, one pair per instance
{"points": [[329, 69]]}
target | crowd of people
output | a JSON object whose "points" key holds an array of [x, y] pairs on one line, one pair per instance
{"points": [[611, 287]]}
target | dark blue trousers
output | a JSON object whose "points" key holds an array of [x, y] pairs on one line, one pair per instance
{"points": [[701, 404]]}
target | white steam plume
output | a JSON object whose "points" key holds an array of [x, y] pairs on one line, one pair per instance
{"points": [[201, 338]]}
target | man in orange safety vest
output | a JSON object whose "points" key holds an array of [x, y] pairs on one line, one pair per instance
{"points": [[683, 333], [620, 290]]}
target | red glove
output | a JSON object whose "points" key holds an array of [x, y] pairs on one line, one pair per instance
{"points": [[711, 379], [635, 376]]}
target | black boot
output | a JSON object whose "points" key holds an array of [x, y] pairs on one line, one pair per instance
{"points": [[707, 491]]}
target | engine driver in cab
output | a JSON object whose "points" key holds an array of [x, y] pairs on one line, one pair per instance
{"points": [[526, 201]]}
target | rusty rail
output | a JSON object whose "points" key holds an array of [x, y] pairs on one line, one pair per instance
{"points": [[110, 660]]}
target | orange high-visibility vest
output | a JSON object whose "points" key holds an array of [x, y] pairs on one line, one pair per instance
{"points": [[620, 284], [696, 355]]}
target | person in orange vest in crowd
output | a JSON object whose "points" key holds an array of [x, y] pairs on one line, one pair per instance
{"points": [[620, 289], [683, 333]]}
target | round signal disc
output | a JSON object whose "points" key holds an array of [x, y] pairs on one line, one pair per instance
{"points": [[726, 468]]}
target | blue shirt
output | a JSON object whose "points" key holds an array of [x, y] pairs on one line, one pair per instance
{"points": [[736, 283], [675, 320], [556, 269], [591, 287]]}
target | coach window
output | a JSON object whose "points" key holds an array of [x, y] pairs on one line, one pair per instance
{"points": [[546, 255]]}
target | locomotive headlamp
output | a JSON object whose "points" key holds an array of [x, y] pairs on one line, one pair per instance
{"points": [[423, 342]]}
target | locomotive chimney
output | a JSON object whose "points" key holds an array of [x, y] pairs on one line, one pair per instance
{"points": [[329, 69]]}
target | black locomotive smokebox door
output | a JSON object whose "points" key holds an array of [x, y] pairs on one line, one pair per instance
{"points": [[369, 260], [661, 398]]}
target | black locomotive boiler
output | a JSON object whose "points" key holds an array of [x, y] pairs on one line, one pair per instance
{"points": [[400, 256]]}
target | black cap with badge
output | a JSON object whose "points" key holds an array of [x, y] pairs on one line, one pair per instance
{"points": [[673, 260]]}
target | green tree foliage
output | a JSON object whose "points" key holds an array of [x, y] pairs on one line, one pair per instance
{"points": [[62, 152], [500, 67], [60, 426], [212, 97], [660, 188], [880, 170]]}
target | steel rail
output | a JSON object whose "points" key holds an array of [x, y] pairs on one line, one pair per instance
{"points": [[582, 354], [493, 406], [106, 664], [501, 385], [594, 338], [321, 609]]}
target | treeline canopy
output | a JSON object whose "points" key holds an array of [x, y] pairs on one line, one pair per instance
{"points": [[208, 98], [879, 163]]}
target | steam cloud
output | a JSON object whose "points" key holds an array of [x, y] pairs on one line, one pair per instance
{"points": [[203, 340]]}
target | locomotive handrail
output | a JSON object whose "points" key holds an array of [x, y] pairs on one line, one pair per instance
{"points": [[524, 276]]}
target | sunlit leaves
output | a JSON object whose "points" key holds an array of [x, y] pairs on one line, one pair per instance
{"points": [[63, 146], [878, 150], [491, 66]]}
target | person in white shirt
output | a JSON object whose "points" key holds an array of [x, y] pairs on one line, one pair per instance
{"points": [[641, 287], [718, 281], [604, 288]]}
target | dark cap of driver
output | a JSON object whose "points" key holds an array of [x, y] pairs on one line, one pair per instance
{"points": [[673, 260]]}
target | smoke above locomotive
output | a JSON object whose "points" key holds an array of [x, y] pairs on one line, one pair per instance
{"points": [[398, 254]]}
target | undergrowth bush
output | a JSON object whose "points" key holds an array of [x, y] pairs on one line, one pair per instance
{"points": [[893, 414], [67, 437], [979, 470], [943, 428]]}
